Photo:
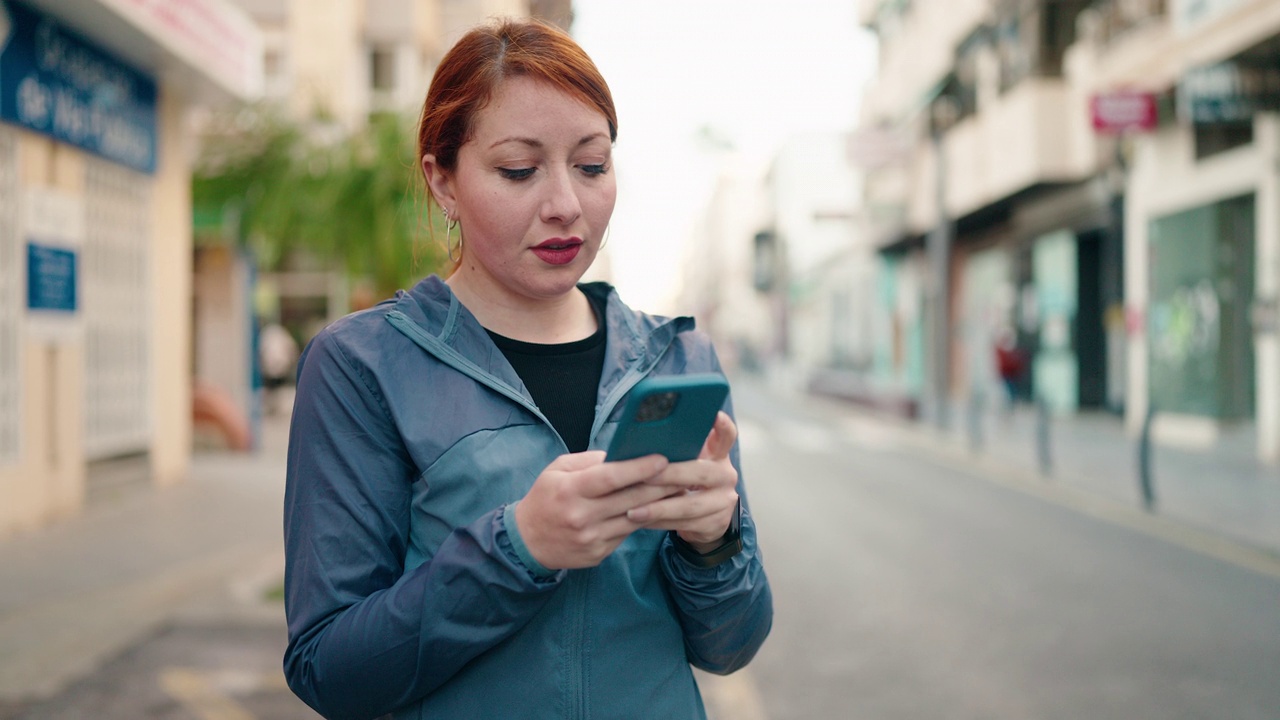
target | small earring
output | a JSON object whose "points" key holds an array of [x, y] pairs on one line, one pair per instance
{"points": [[449, 225]]}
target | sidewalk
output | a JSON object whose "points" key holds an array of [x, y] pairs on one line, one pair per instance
{"points": [[1223, 490], [78, 592]]}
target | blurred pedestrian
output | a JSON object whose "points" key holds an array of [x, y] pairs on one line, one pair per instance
{"points": [[1011, 363], [456, 545], [277, 353]]}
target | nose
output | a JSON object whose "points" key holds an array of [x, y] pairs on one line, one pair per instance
{"points": [[561, 205]]}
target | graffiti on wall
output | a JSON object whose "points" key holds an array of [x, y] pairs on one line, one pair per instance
{"points": [[1186, 325]]}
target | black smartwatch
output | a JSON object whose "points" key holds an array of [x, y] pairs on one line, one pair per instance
{"points": [[730, 545]]}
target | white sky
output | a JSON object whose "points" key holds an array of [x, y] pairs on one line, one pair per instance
{"points": [[754, 71]]}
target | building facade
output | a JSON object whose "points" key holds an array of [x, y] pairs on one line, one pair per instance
{"points": [[1098, 179], [96, 240], [732, 274]]}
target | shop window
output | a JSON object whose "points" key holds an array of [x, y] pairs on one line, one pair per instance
{"points": [[116, 309], [10, 301], [1198, 330]]}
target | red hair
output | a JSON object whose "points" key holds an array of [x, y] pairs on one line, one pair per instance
{"points": [[474, 67]]}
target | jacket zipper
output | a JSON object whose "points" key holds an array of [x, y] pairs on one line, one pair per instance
{"points": [[577, 646], [634, 375], [581, 580]]}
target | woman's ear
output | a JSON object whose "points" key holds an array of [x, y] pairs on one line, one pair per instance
{"points": [[440, 181]]}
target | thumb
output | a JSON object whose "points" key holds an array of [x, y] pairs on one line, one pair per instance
{"points": [[721, 438]]}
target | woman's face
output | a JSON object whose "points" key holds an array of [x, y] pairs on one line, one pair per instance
{"points": [[533, 190]]}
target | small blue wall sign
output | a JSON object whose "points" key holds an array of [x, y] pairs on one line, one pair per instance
{"points": [[51, 278]]}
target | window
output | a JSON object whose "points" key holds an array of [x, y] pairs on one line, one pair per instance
{"points": [[271, 65], [1059, 19], [1214, 138], [382, 69], [1033, 37], [10, 301], [275, 79], [1013, 49]]}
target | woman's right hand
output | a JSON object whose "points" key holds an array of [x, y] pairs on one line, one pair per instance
{"points": [[576, 512]]}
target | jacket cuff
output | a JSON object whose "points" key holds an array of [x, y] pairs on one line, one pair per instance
{"points": [[535, 568]]}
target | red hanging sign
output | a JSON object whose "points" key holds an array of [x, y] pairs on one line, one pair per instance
{"points": [[1122, 111]]}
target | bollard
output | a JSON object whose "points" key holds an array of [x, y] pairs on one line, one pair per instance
{"points": [[975, 421], [1042, 437], [1146, 484]]}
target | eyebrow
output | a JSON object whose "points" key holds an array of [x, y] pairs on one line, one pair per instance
{"points": [[534, 143]]}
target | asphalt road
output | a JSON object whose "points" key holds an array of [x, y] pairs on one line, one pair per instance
{"points": [[905, 588]]}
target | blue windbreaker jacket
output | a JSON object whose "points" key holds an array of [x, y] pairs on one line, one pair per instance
{"points": [[408, 589]]}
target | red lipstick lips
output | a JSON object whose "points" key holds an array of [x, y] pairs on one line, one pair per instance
{"points": [[558, 251]]}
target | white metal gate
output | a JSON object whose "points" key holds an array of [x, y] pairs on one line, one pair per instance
{"points": [[11, 284], [116, 310]]}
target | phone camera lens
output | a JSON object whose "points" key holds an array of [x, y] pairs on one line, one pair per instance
{"points": [[656, 407]]}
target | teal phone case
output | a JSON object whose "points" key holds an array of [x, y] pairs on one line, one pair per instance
{"points": [[669, 415]]}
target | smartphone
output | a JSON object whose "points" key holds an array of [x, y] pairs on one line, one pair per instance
{"points": [[669, 415]]}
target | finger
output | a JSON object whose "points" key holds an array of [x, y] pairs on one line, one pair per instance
{"points": [[678, 512], [608, 478], [633, 496], [721, 438], [697, 475], [618, 528]]}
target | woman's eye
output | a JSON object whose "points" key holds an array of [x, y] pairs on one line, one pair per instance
{"points": [[515, 173], [594, 169]]}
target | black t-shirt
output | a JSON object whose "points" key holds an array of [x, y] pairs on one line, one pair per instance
{"points": [[563, 378]]}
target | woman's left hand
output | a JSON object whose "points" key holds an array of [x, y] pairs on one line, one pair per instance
{"points": [[700, 513]]}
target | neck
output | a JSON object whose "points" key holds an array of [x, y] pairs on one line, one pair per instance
{"points": [[560, 319]]}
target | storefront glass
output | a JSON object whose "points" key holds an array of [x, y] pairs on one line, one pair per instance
{"points": [[1201, 345]]}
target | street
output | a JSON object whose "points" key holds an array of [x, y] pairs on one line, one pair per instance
{"points": [[903, 588]]}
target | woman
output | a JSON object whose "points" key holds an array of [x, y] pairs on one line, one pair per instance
{"points": [[457, 547]]}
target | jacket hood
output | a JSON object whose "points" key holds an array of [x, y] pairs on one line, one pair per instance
{"points": [[432, 316], [432, 306]]}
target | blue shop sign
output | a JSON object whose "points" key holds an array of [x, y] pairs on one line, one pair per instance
{"points": [[51, 278], [56, 82], [1228, 92]]}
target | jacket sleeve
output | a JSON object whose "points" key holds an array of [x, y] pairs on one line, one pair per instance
{"points": [[365, 636], [726, 611]]}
